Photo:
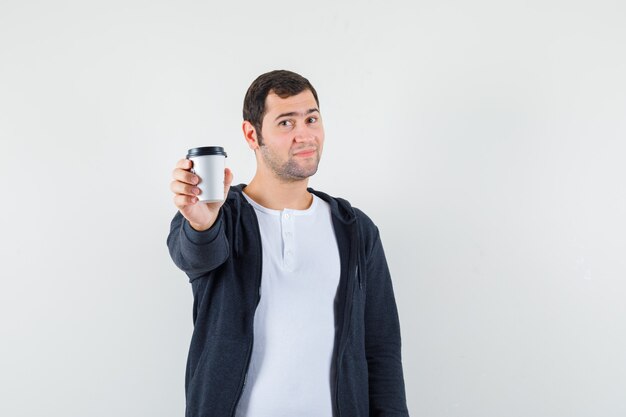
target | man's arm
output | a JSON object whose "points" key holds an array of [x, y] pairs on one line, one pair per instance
{"points": [[382, 339], [197, 241], [197, 252]]}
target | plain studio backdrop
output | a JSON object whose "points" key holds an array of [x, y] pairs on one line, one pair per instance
{"points": [[485, 139]]}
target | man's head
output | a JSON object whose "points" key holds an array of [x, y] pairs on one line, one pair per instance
{"points": [[280, 82], [282, 122]]}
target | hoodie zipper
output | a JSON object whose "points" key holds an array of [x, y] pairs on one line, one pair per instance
{"points": [[344, 335], [258, 299]]}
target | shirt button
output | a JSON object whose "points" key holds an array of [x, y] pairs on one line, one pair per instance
{"points": [[288, 234], [286, 215], [288, 253]]}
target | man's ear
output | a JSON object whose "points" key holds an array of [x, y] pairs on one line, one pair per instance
{"points": [[249, 133]]}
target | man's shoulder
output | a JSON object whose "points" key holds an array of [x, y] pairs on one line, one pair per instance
{"points": [[341, 207], [363, 218]]}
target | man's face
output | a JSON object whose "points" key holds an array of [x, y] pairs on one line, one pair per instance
{"points": [[292, 136]]}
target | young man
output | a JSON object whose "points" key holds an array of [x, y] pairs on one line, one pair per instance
{"points": [[294, 312]]}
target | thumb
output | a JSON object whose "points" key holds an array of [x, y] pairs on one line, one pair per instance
{"points": [[228, 180]]}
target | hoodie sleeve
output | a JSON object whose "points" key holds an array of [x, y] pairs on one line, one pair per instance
{"points": [[382, 338], [197, 253]]}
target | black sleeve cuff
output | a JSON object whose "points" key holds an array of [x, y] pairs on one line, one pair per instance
{"points": [[206, 236]]}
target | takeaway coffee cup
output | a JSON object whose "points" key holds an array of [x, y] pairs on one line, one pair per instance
{"points": [[208, 165]]}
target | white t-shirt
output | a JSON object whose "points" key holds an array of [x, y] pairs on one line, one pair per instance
{"points": [[294, 327]]}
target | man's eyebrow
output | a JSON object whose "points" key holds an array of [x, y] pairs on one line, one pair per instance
{"points": [[295, 113]]}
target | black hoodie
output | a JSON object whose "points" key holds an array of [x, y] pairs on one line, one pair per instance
{"points": [[224, 265]]}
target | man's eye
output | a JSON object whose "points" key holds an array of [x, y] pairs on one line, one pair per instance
{"points": [[312, 120], [284, 123]]}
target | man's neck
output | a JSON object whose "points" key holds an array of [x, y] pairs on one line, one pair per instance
{"points": [[278, 195]]}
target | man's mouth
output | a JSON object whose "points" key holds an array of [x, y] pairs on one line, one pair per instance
{"points": [[305, 153]]}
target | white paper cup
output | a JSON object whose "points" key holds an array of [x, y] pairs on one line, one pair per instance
{"points": [[208, 165]]}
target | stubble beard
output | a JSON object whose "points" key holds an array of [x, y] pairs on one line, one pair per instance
{"points": [[289, 171]]}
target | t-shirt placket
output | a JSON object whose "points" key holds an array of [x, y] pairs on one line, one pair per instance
{"points": [[287, 219]]}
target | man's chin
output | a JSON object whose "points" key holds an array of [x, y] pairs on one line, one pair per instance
{"points": [[294, 176]]}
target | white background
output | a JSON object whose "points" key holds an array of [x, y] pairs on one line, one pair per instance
{"points": [[485, 139]]}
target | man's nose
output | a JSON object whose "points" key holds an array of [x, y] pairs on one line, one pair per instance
{"points": [[303, 133]]}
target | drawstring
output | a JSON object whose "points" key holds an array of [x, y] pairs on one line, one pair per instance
{"points": [[349, 218], [238, 249], [359, 268]]}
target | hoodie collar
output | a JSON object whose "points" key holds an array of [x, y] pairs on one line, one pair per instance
{"points": [[339, 207]]}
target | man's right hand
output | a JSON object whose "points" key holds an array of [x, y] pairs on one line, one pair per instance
{"points": [[201, 216]]}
